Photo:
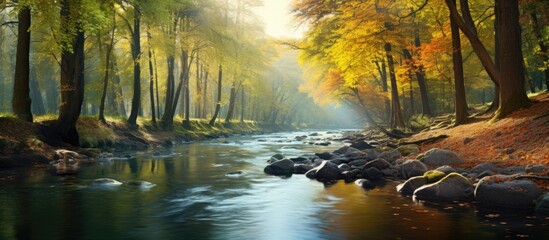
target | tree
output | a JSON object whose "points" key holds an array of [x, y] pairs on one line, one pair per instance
{"points": [[460, 103], [21, 103], [219, 90]]}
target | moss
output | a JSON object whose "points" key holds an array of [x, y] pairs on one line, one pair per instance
{"points": [[433, 176]]}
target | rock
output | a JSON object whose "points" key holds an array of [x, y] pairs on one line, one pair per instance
{"points": [[439, 157], [513, 170], [453, 187], [412, 168], [391, 155], [66, 154], [406, 150], [485, 174], [484, 167], [342, 150], [535, 168], [350, 176], [378, 163], [315, 134], [356, 155], [411, 185], [390, 172], [433, 176], [323, 143], [106, 182], [371, 154], [282, 167], [542, 205], [358, 163], [327, 172], [141, 184], [302, 168], [361, 145], [301, 160], [365, 183], [311, 174], [344, 167], [446, 169], [278, 156], [234, 174], [372, 173], [325, 155], [508, 151], [506, 191], [467, 140]]}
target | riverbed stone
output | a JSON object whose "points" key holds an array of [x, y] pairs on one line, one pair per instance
{"points": [[325, 155], [301, 159], [507, 191], [446, 169], [411, 185], [342, 150], [378, 163], [539, 168], [439, 157], [372, 173], [390, 171], [344, 167], [453, 187], [358, 163], [542, 206], [282, 167], [408, 149], [302, 168], [484, 167], [391, 155], [434, 176], [365, 183], [327, 172], [350, 176], [511, 170], [412, 168], [361, 145]]}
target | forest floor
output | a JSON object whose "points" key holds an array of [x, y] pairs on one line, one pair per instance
{"points": [[522, 138], [24, 144]]}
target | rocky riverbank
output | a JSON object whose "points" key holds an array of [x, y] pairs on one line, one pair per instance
{"points": [[434, 175], [24, 144]]}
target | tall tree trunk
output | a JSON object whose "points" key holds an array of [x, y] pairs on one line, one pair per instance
{"points": [[36, 96], [21, 103], [243, 107], [542, 47], [106, 78], [72, 81], [232, 99], [167, 117], [156, 83], [118, 93], [205, 96], [420, 75], [219, 88], [460, 103], [512, 94], [495, 102], [188, 93], [396, 113], [151, 81], [136, 56], [199, 94]]}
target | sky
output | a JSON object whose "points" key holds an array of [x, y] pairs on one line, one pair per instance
{"points": [[276, 16]]}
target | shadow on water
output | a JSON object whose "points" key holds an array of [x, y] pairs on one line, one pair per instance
{"points": [[217, 190]]}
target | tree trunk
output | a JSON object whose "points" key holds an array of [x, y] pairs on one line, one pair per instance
{"points": [[205, 96], [151, 82], [460, 104], [243, 107], [106, 78], [512, 94], [232, 100], [136, 52], [118, 93], [36, 96], [396, 112], [21, 103], [72, 81], [218, 105], [420, 75], [542, 47], [167, 117]]}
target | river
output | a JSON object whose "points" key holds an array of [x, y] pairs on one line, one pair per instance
{"points": [[195, 197]]}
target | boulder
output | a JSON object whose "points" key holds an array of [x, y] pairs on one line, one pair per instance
{"points": [[506, 191], [542, 205], [433, 176], [342, 150], [301, 159], [344, 167], [513, 170], [406, 150], [446, 169], [327, 172], [411, 185], [282, 167], [535, 168], [365, 183], [453, 187], [372, 173], [325, 155], [485, 174], [278, 156], [66, 155], [438, 157], [484, 167], [302, 168], [391, 155], [361, 145], [358, 163], [356, 155], [350, 176], [378, 163], [390, 172], [412, 168]]}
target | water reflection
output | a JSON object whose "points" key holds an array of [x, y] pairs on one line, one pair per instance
{"points": [[216, 190]]}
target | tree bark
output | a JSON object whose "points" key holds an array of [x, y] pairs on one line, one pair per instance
{"points": [[72, 81], [106, 78], [512, 93], [396, 113], [151, 81], [37, 104], [219, 88], [543, 48], [243, 107], [136, 55], [460, 104], [21, 103], [167, 117], [232, 99], [205, 96]]}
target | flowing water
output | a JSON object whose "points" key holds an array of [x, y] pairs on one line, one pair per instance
{"points": [[217, 190]]}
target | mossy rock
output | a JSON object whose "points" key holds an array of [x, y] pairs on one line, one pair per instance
{"points": [[433, 176]]}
